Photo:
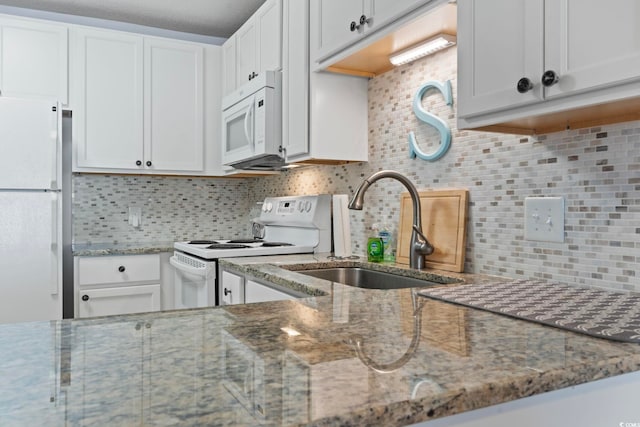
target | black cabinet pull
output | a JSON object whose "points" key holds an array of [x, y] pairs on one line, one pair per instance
{"points": [[524, 85], [121, 269], [148, 163], [85, 297], [138, 162], [226, 292], [353, 26], [549, 78]]}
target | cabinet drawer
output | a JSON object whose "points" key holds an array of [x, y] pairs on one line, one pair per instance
{"points": [[118, 269]]}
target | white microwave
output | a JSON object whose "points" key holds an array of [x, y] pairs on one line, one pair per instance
{"points": [[252, 124]]}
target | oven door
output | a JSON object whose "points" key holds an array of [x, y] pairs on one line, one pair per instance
{"points": [[194, 281]]}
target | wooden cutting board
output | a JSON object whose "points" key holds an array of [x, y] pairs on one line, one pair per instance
{"points": [[444, 222]]}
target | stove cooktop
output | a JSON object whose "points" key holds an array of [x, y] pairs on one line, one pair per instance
{"points": [[213, 249]]}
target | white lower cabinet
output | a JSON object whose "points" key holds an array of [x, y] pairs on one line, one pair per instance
{"points": [[257, 292], [111, 285], [119, 300], [236, 288]]}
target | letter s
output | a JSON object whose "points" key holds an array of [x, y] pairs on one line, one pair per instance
{"points": [[433, 120]]}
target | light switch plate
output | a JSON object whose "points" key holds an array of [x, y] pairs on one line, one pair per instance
{"points": [[544, 219]]}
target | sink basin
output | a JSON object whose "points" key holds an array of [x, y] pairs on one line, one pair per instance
{"points": [[370, 279]]}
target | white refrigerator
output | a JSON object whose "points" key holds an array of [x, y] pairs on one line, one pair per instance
{"points": [[30, 210]]}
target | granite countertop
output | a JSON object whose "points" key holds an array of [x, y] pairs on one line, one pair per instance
{"points": [[343, 356], [128, 248]]}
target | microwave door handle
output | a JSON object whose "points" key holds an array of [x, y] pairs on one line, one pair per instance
{"points": [[248, 123]]}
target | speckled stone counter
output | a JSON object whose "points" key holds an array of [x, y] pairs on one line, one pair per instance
{"points": [[137, 248], [343, 356]]}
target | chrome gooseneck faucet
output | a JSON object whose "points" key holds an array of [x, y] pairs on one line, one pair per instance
{"points": [[420, 246]]}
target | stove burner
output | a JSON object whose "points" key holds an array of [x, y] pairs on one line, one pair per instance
{"points": [[274, 244], [227, 246], [202, 242], [245, 241]]}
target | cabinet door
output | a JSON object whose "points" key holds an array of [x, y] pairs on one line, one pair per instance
{"points": [[246, 52], [33, 60], [331, 26], [107, 99], [118, 300], [499, 43], [174, 132], [269, 32], [384, 12], [231, 289], [257, 292], [229, 59], [591, 44]]}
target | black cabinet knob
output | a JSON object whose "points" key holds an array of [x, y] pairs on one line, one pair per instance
{"points": [[226, 292], [364, 20], [138, 162], [148, 163], [549, 78], [353, 26], [524, 85], [85, 297], [121, 269], [250, 76]]}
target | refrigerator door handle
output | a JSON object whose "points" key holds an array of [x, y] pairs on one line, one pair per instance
{"points": [[56, 134], [55, 246]]}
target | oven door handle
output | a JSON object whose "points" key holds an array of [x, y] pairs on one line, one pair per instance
{"points": [[187, 268]]}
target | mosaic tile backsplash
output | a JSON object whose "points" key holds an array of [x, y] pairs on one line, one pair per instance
{"points": [[172, 208], [596, 170]]}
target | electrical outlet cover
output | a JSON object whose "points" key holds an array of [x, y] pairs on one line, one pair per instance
{"points": [[544, 219]]}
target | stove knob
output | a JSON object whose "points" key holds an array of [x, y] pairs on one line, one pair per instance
{"points": [[269, 207], [300, 207], [264, 207], [307, 205]]}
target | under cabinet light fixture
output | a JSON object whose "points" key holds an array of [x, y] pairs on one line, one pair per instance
{"points": [[427, 47]]}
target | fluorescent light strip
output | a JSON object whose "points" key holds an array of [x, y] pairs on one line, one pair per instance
{"points": [[432, 45]]}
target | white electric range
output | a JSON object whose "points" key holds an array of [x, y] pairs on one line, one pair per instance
{"points": [[286, 225]]}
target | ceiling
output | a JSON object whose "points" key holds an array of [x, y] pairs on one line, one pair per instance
{"points": [[215, 18]]}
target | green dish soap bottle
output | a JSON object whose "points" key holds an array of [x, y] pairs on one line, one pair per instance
{"points": [[386, 235], [375, 249]]}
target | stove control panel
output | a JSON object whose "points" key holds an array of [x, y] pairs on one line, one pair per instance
{"points": [[303, 210]]}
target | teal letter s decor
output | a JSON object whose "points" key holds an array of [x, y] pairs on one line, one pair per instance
{"points": [[433, 120]]}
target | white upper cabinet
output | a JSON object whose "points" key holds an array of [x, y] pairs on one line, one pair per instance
{"points": [[255, 47], [491, 63], [138, 103], [325, 115], [229, 60], [525, 59], [173, 105], [33, 59], [107, 99], [590, 44], [338, 24]]}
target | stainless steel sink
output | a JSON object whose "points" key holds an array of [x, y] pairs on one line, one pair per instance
{"points": [[370, 279]]}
